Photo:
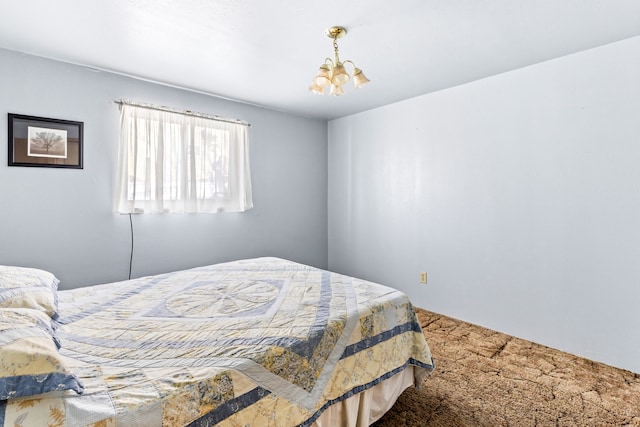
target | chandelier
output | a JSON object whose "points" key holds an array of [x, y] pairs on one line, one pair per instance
{"points": [[333, 73]]}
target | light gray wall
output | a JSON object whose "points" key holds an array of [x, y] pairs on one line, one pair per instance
{"points": [[62, 220], [518, 194]]}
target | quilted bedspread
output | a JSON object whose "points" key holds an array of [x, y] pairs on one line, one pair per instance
{"points": [[260, 342]]}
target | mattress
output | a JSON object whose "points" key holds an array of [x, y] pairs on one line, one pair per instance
{"points": [[258, 342]]}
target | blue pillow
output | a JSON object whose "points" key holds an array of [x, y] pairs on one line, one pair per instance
{"points": [[29, 360]]}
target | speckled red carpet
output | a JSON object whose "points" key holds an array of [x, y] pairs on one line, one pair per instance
{"points": [[485, 378]]}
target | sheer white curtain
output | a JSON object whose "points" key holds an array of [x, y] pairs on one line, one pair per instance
{"points": [[176, 163]]}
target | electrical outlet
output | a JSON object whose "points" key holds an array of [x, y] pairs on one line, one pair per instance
{"points": [[423, 277]]}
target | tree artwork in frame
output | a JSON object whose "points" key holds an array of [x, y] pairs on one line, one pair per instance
{"points": [[44, 142]]}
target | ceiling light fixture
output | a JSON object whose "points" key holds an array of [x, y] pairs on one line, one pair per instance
{"points": [[333, 73]]}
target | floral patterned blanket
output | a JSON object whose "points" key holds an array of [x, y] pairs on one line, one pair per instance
{"points": [[260, 342]]}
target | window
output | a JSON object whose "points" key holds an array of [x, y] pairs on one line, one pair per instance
{"points": [[172, 162]]}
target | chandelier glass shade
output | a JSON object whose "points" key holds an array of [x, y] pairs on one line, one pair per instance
{"points": [[332, 73]]}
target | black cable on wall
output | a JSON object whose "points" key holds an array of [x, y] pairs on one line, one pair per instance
{"points": [[131, 254]]}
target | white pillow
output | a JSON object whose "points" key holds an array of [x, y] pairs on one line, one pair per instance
{"points": [[22, 287]]}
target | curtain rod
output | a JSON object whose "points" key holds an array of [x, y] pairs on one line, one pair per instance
{"points": [[185, 112]]}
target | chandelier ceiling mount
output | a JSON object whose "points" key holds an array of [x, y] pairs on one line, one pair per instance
{"points": [[336, 32]]}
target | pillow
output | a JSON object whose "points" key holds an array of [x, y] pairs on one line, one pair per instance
{"points": [[22, 287], [29, 360]]}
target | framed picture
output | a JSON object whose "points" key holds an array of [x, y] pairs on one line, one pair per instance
{"points": [[39, 141]]}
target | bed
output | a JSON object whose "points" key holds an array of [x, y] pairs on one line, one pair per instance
{"points": [[257, 342]]}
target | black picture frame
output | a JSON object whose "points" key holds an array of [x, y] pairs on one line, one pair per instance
{"points": [[44, 142]]}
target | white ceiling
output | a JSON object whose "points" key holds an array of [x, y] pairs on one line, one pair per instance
{"points": [[265, 52]]}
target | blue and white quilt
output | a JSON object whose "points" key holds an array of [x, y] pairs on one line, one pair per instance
{"points": [[260, 342]]}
